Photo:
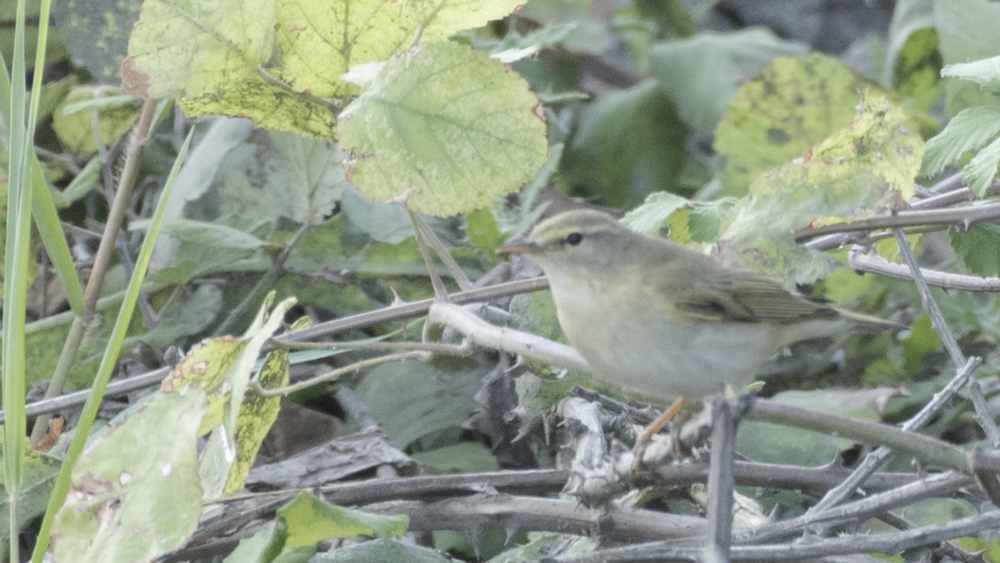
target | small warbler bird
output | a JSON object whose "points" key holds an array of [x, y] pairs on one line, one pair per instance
{"points": [[651, 315]]}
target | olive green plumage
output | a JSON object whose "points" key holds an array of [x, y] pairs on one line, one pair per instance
{"points": [[655, 316]]}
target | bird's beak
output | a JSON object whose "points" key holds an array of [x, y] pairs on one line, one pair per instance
{"points": [[519, 246]]}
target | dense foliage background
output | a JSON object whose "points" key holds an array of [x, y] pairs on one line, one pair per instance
{"points": [[329, 171]]}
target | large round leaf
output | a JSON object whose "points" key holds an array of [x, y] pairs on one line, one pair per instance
{"points": [[446, 124]]}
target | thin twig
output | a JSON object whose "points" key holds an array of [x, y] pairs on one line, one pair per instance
{"points": [[961, 216], [862, 261], [502, 338], [844, 545], [930, 305], [937, 485], [415, 309], [720, 483], [930, 450], [361, 320], [463, 349], [982, 416], [335, 374], [945, 548], [964, 369], [874, 460], [122, 198], [947, 192]]}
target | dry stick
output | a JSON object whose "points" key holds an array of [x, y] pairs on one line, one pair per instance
{"points": [[946, 194], [983, 416], [875, 505], [415, 309], [874, 460], [546, 481], [964, 372], [422, 351], [943, 548], [930, 450], [861, 261], [335, 374], [964, 216], [392, 313], [500, 338], [851, 545], [930, 305], [720, 483], [937, 485]]}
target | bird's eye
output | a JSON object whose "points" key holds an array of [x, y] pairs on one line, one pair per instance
{"points": [[574, 239]]}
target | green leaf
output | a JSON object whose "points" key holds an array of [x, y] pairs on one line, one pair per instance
{"points": [[463, 457], [967, 32], [38, 473], [970, 130], [262, 547], [981, 170], [214, 44], [263, 175], [257, 416], [701, 97], [383, 550], [842, 177], [309, 520], [84, 181], [280, 61], [413, 399], [985, 73], [97, 31], [772, 443], [483, 230], [210, 234], [779, 115], [651, 217], [188, 312], [384, 222], [135, 493], [74, 124], [421, 129], [909, 17], [313, 32], [626, 145], [685, 220], [977, 248], [921, 340], [917, 72]]}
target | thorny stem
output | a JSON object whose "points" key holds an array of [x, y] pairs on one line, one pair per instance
{"points": [[876, 264]]}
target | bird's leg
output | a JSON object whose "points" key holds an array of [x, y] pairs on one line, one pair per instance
{"points": [[647, 433]]}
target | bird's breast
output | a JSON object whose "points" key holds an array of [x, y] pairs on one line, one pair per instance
{"points": [[633, 341]]}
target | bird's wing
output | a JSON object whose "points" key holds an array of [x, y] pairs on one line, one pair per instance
{"points": [[739, 296]]}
